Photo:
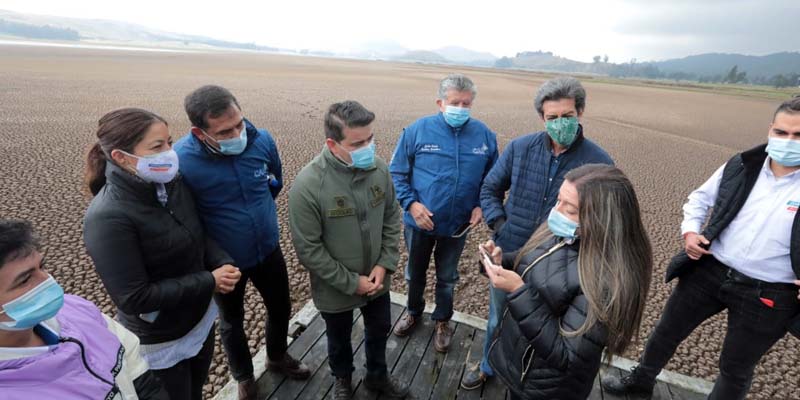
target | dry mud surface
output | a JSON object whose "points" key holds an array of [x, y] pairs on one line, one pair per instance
{"points": [[667, 141]]}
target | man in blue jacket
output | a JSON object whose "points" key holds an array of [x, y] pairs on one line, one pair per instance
{"points": [[437, 168], [531, 169], [234, 172]]}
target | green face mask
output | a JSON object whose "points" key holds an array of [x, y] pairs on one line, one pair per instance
{"points": [[562, 130]]}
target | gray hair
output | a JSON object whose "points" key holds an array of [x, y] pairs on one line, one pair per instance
{"points": [[564, 87], [457, 82]]}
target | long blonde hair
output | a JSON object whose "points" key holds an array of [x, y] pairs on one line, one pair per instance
{"points": [[615, 258]]}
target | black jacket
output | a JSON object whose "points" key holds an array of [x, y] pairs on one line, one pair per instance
{"points": [[529, 353], [738, 178], [151, 257]]}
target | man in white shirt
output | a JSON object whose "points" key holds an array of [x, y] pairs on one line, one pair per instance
{"points": [[746, 260]]}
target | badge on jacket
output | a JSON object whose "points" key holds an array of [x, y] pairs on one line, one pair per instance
{"points": [[341, 210]]}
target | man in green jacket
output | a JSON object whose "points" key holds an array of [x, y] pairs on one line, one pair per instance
{"points": [[345, 224]]}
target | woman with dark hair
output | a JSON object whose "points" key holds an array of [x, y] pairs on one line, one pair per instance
{"points": [[150, 251], [577, 287]]}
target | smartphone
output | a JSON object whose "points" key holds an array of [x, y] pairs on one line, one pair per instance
{"points": [[462, 230], [485, 255]]}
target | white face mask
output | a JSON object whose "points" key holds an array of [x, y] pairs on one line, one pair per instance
{"points": [[157, 168]]}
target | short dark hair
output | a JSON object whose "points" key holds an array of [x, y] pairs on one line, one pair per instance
{"points": [[17, 240], [348, 113], [209, 101], [791, 106]]}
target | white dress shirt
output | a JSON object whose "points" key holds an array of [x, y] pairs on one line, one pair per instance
{"points": [[756, 243]]}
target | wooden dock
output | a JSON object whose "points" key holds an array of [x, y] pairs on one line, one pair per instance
{"points": [[412, 359]]}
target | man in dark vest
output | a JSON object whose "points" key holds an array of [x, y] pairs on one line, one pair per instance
{"points": [[746, 261]]}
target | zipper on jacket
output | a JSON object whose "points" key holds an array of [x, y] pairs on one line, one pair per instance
{"points": [[505, 310], [114, 387], [525, 367], [456, 132], [363, 225]]}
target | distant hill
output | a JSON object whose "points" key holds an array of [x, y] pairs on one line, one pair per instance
{"points": [[461, 55], [422, 56], [106, 30], [718, 63], [779, 69]]}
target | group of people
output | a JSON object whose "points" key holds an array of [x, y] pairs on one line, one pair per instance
{"points": [[176, 232]]}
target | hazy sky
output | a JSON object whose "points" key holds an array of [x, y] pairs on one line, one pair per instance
{"points": [[623, 29]]}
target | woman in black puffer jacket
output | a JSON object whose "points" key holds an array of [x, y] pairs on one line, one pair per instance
{"points": [[577, 287], [149, 249]]}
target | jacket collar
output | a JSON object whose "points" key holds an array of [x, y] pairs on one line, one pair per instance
{"points": [[339, 165], [132, 184], [252, 133], [755, 157], [442, 121]]}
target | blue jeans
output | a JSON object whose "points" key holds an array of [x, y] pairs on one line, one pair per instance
{"points": [[497, 303], [446, 253]]}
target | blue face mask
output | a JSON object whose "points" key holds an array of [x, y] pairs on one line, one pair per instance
{"points": [[363, 157], [39, 304], [456, 116], [785, 152], [562, 226], [231, 147]]}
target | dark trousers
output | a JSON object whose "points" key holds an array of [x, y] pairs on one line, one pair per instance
{"points": [[753, 326], [185, 380], [272, 282], [446, 253], [377, 319]]}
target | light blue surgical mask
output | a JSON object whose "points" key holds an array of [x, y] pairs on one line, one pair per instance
{"points": [[785, 152], [364, 157], [39, 304], [231, 147], [456, 116], [562, 226]]}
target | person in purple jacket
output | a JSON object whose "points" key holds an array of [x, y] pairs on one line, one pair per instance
{"points": [[56, 346]]}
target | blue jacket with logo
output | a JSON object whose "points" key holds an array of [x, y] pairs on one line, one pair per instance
{"points": [[532, 176], [233, 194], [443, 168]]}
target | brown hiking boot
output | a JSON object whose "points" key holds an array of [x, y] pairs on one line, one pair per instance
{"points": [[290, 367], [441, 339], [405, 326], [248, 390]]}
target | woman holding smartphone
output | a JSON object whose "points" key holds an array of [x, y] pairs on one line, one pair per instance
{"points": [[148, 247], [577, 287]]}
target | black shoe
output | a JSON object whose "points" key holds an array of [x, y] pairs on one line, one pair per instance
{"points": [[387, 386], [473, 379], [342, 390], [635, 383]]}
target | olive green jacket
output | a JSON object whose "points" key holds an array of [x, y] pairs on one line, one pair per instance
{"points": [[344, 222]]}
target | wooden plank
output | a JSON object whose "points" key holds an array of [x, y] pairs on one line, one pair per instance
{"points": [[679, 393], [428, 371], [452, 368], [494, 389], [597, 391], [314, 359], [320, 383], [661, 392], [473, 361], [611, 371], [416, 348], [394, 348], [269, 382]]}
